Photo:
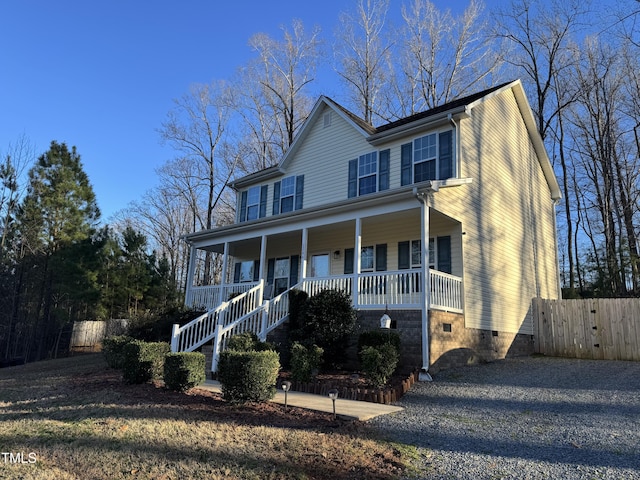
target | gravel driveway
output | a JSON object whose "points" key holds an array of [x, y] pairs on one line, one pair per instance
{"points": [[524, 418]]}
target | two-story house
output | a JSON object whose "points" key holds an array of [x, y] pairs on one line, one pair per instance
{"points": [[444, 219]]}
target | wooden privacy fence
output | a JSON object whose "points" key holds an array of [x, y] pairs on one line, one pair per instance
{"points": [[598, 328]]}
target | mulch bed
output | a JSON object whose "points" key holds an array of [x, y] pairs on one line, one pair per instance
{"points": [[353, 386]]}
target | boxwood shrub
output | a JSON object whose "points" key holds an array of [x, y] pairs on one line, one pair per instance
{"points": [[247, 342], [379, 363], [144, 361], [304, 361], [113, 349], [183, 370], [248, 376], [377, 338]]}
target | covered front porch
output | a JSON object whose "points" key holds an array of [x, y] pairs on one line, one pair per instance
{"points": [[409, 258], [392, 269]]}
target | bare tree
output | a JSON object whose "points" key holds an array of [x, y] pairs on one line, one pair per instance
{"points": [[443, 57], [540, 37], [605, 141], [288, 66], [19, 156], [196, 129], [362, 53]]}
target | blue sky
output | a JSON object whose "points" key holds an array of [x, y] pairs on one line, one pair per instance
{"points": [[102, 74]]}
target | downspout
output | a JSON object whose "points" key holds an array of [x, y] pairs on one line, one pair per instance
{"points": [[456, 146], [426, 296]]}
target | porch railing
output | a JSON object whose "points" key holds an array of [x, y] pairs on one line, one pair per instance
{"points": [[446, 292], [210, 296], [400, 289], [249, 312]]}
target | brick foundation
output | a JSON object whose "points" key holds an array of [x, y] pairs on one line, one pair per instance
{"points": [[451, 344]]}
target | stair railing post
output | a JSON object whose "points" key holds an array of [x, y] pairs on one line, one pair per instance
{"points": [[175, 336], [265, 321], [216, 348]]}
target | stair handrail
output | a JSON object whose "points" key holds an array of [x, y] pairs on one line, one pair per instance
{"points": [[202, 329]]}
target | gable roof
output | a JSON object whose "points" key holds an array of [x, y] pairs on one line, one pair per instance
{"points": [[375, 135]]}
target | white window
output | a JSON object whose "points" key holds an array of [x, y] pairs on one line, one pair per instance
{"points": [[367, 258], [287, 194], [253, 203], [246, 271], [424, 158], [367, 173]]}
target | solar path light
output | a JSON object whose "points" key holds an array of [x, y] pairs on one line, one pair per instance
{"points": [[286, 386], [333, 394]]}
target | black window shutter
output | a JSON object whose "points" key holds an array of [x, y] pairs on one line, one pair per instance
{"points": [[444, 254], [353, 178], [263, 201], [383, 176], [381, 257], [256, 270], [276, 199], [271, 270], [299, 191], [445, 158], [236, 272], [348, 260], [405, 164], [293, 270], [404, 255], [243, 206]]}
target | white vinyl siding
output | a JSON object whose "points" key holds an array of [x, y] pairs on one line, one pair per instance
{"points": [[327, 150], [507, 217]]}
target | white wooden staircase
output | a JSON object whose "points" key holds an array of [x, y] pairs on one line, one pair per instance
{"points": [[247, 312]]}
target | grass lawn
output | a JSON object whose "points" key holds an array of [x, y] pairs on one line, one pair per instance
{"points": [[75, 418]]}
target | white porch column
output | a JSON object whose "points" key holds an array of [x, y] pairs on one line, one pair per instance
{"points": [[357, 257], [303, 254], [225, 264], [426, 294], [263, 258], [190, 273]]}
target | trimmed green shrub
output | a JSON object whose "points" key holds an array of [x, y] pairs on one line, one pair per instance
{"points": [[378, 338], [243, 342], [379, 363], [248, 376], [329, 320], [113, 349], [144, 361], [304, 361], [248, 342], [183, 370]]}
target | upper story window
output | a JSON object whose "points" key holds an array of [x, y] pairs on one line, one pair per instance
{"points": [[429, 157], [288, 194], [369, 173], [253, 203]]}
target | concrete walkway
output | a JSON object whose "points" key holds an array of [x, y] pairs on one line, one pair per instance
{"points": [[348, 409]]}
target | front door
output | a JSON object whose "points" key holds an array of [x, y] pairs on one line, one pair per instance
{"points": [[320, 265]]}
